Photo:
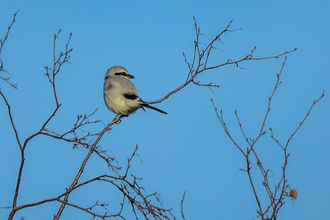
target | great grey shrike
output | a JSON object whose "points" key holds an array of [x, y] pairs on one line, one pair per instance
{"points": [[120, 95]]}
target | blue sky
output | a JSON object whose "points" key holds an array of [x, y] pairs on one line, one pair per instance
{"points": [[186, 150]]}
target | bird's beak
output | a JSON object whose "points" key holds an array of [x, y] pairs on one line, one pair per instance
{"points": [[130, 76]]}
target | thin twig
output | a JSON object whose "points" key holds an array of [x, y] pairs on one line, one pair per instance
{"points": [[2, 42], [182, 213]]}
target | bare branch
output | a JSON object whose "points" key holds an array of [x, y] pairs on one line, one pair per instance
{"points": [[184, 195], [82, 120], [276, 195], [82, 166], [11, 120], [302, 122], [200, 59], [142, 204], [277, 84], [63, 58], [224, 126], [2, 42]]}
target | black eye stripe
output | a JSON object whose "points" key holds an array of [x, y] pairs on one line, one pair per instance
{"points": [[121, 74]]}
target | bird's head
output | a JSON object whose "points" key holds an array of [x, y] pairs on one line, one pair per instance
{"points": [[118, 71]]}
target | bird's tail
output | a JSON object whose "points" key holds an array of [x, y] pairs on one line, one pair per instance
{"points": [[153, 108]]}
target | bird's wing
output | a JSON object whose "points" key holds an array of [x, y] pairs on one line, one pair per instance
{"points": [[131, 96]]}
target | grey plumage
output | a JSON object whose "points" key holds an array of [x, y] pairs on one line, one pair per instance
{"points": [[120, 94]]}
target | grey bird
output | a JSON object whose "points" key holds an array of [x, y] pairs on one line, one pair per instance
{"points": [[120, 94]]}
